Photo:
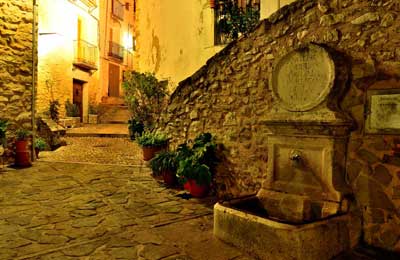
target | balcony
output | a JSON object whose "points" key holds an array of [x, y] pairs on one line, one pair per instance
{"points": [[88, 3], [116, 51], [118, 9], [85, 55]]}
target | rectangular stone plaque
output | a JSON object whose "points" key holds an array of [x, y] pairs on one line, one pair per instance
{"points": [[383, 115]]}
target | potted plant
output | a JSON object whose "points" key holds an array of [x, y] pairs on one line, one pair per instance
{"points": [[152, 143], [93, 110], [22, 155], [3, 131], [196, 164], [165, 164], [40, 145], [135, 127], [196, 175], [72, 111], [145, 96]]}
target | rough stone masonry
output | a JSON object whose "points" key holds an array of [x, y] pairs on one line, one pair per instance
{"points": [[16, 66], [230, 96]]}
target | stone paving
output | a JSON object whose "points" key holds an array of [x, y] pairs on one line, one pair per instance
{"points": [[121, 151], [96, 199], [81, 211]]}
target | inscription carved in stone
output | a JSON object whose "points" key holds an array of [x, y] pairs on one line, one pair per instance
{"points": [[303, 78]]}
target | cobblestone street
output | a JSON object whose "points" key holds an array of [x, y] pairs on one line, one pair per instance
{"points": [[61, 210], [103, 150]]}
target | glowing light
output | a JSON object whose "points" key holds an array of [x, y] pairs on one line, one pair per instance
{"points": [[49, 43], [128, 41]]}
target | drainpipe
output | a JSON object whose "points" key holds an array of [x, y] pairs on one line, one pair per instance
{"points": [[33, 105]]}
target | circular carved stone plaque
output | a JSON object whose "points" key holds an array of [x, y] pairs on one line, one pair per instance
{"points": [[303, 78]]}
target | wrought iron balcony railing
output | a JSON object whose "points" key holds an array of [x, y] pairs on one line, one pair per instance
{"points": [[116, 50], [118, 9], [85, 55]]}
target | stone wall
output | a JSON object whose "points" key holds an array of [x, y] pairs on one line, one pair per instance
{"points": [[58, 30], [16, 70], [230, 95]]}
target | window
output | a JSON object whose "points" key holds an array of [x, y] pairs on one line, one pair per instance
{"points": [[118, 9], [234, 18]]}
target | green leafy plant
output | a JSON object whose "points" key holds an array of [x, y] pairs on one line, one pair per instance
{"points": [[233, 21], [164, 161], [93, 109], [53, 110], [135, 127], [191, 168], [72, 110], [152, 139], [197, 162], [40, 144], [3, 131], [145, 96], [23, 134]]}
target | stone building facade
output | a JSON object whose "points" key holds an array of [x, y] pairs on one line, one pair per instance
{"points": [[158, 23], [17, 63], [116, 46], [230, 96], [68, 60], [173, 38]]}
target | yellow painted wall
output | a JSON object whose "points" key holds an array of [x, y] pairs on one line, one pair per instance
{"points": [[174, 38], [269, 7], [122, 33], [58, 28]]}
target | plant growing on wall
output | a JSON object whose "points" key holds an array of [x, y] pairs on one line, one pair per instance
{"points": [[233, 21], [145, 96], [3, 130], [54, 105], [53, 110]]}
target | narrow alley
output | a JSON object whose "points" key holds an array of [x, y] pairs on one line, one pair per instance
{"points": [[91, 208]]}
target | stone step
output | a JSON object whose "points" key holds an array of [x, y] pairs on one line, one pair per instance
{"points": [[100, 130], [113, 100], [113, 114]]}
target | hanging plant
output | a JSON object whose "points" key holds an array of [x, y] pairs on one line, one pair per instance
{"points": [[234, 21]]}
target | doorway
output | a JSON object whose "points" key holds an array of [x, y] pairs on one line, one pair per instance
{"points": [[78, 96], [113, 80]]}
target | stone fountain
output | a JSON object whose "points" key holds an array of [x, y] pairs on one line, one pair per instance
{"points": [[302, 210]]}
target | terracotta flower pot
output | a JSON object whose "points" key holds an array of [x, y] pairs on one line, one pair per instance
{"points": [[22, 155], [150, 151], [186, 186], [198, 191], [212, 3], [169, 178]]}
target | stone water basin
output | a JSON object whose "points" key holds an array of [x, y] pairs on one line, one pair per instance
{"points": [[245, 224]]}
